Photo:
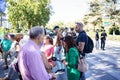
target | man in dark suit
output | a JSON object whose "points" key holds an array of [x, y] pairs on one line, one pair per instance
{"points": [[103, 39]]}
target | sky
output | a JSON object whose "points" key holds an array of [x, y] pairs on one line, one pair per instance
{"points": [[68, 10], [2, 5]]}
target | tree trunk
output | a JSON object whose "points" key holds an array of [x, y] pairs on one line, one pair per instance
{"points": [[1, 20], [94, 28], [113, 32], [30, 25]]}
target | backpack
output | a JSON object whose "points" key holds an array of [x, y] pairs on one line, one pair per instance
{"points": [[89, 46]]}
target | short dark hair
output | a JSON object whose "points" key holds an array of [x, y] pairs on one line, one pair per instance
{"points": [[12, 36], [55, 27]]}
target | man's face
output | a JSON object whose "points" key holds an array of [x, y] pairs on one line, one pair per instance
{"points": [[40, 39], [56, 30], [77, 28]]}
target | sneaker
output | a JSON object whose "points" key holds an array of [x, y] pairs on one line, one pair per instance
{"points": [[103, 49]]}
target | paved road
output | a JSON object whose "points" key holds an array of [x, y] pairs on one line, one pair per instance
{"points": [[103, 65]]}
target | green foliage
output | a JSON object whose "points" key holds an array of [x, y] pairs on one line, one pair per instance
{"points": [[3, 31], [95, 15], [85, 19], [112, 11], [114, 29], [2, 14], [95, 7], [101, 28], [117, 32], [58, 23], [28, 13], [111, 31], [61, 24], [100, 7]]}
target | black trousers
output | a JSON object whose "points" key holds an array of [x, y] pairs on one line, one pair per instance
{"points": [[103, 44]]}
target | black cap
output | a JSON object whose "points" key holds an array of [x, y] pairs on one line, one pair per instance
{"points": [[55, 27]]}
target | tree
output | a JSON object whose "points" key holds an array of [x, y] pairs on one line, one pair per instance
{"points": [[28, 13], [95, 15], [113, 12], [1, 15], [101, 8], [2, 10], [85, 19], [57, 23]]}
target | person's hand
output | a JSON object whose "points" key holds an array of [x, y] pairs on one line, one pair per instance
{"points": [[64, 62], [53, 76]]}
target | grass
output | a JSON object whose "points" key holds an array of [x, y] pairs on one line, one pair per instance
{"points": [[114, 37], [109, 37]]}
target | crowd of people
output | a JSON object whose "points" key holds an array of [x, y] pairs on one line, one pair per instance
{"points": [[41, 57]]}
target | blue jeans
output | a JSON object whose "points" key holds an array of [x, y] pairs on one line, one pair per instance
{"points": [[59, 54], [13, 75], [82, 76], [62, 76]]}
